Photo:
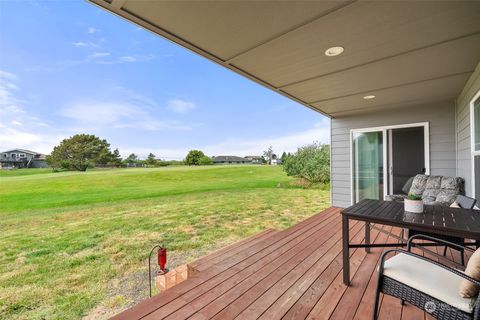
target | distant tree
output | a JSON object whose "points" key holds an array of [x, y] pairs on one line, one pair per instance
{"points": [[132, 157], [150, 161], [131, 160], [116, 158], [193, 157], [311, 162], [80, 152], [267, 154], [284, 156], [205, 161]]}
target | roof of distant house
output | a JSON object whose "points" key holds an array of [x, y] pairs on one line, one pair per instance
{"points": [[229, 158], [22, 150]]}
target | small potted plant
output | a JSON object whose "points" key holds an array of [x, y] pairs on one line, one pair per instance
{"points": [[413, 203]]}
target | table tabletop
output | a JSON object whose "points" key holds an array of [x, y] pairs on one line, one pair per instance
{"points": [[438, 219]]}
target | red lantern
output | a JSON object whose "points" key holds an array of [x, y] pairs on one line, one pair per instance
{"points": [[162, 259]]}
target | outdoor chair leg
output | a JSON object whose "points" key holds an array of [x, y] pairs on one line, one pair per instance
{"points": [[377, 299]]}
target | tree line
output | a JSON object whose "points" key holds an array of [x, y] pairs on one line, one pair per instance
{"points": [[310, 163], [83, 151]]}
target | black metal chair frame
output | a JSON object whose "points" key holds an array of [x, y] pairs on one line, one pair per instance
{"points": [[417, 298]]}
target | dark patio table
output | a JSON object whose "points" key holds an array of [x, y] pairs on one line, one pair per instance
{"points": [[458, 222]]}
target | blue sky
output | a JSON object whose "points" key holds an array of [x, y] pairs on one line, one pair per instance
{"points": [[67, 67]]}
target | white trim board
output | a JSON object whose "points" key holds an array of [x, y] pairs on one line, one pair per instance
{"points": [[472, 140]]}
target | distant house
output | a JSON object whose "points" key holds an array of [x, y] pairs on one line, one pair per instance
{"points": [[276, 162], [230, 160], [20, 158], [255, 159]]}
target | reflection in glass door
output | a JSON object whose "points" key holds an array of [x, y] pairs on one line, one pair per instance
{"points": [[368, 165]]}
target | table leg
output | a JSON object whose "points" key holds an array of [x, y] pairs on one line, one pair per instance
{"points": [[367, 236], [345, 250]]}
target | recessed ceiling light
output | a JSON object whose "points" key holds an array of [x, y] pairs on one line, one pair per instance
{"points": [[334, 51], [369, 97]]}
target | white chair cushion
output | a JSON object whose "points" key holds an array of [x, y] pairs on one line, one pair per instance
{"points": [[429, 279]]}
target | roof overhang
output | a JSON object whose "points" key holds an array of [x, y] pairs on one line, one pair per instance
{"points": [[402, 52]]}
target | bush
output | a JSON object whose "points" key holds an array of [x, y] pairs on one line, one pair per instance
{"points": [[193, 157], [311, 162], [80, 152], [175, 163], [162, 163], [204, 161]]}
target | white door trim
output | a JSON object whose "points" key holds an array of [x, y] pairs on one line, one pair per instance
{"points": [[426, 131], [390, 160], [472, 141]]}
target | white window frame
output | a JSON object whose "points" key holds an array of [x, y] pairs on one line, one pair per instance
{"points": [[384, 129], [472, 139]]}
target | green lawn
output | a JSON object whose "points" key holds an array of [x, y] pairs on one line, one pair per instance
{"points": [[74, 244], [23, 172]]}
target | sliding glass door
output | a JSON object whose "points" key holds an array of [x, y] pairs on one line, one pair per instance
{"points": [[381, 166], [368, 165]]}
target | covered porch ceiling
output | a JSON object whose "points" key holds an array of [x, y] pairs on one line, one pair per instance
{"points": [[402, 52]]}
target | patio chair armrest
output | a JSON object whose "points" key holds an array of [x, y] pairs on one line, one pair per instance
{"points": [[402, 251], [445, 242]]}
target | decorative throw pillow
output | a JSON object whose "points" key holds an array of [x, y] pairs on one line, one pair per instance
{"points": [[467, 288], [451, 183], [446, 196], [454, 205], [433, 183], [418, 184], [408, 185]]}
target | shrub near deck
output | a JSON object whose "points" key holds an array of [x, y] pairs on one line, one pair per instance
{"points": [[74, 244]]}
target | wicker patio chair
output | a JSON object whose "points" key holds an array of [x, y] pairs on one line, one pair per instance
{"points": [[425, 283]]}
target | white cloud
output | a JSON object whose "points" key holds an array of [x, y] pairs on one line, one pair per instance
{"points": [[243, 147], [8, 75], [82, 44], [98, 55], [288, 143], [92, 30], [79, 44], [11, 137], [180, 106], [8, 102], [18, 129], [112, 114], [126, 59]]}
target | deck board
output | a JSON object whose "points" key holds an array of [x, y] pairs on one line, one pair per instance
{"points": [[291, 274]]}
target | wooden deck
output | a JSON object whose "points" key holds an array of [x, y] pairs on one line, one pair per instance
{"points": [[289, 274]]}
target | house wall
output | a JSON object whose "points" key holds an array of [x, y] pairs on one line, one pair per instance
{"points": [[7, 156], [441, 118], [39, 164], [464, 158]]}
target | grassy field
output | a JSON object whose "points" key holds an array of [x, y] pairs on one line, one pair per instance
{"points": [[74, 244]]}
